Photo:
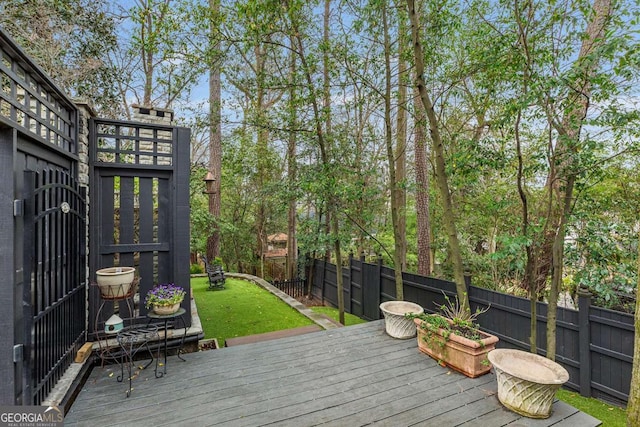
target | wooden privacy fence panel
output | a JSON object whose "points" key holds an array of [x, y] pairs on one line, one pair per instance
{"points": [[595, 345], [611, 352], [140, 214]]}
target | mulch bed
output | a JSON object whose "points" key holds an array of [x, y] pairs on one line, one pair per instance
{"points": [[309, 301], [211, 344]]}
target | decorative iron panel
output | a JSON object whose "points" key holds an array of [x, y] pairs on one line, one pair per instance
{"points": [[55, 270]]}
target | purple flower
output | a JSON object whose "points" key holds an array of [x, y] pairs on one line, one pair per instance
{"points": [[164, 294]]}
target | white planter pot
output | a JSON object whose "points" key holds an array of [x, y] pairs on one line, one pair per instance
{"points": [[527, 382], [165, 310], [115, 282], [395, 322]]}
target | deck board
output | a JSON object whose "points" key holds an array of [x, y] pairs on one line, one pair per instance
{"points": [[349, 376], [268, 336]]}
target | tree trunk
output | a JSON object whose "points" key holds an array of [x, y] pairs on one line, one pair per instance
{"points": [[262, 150], [441, 176], [401, 146], [324, 147], [215, 138], [422, 192], [530, 264], [393, 184], [326, 102], [567, 149], [633, 405], [292, 250]]}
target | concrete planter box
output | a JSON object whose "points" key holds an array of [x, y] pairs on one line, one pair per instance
{"points": [[527, 382], [395, 322], [464, 355]]}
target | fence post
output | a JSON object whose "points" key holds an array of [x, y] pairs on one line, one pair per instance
{"points": [[584, 307], [324, 266], [350, 283], [378, 285]]}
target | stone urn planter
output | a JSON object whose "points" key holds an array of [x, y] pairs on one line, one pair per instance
{"points": [[396, 323], [115, 282], [527, 382], [465, 355]]}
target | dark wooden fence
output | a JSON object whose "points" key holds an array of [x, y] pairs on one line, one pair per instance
{"points": [[42, 217], [594, 344], [295, 288]]}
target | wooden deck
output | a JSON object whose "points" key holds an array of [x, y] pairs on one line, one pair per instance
{"points": [[268, 336], [342, 377]]}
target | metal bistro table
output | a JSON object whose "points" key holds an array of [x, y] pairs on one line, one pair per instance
{"points": [[133, 339], [166, 318]]}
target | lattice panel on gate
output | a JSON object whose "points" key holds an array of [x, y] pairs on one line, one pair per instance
{"points": [[134, 144]]}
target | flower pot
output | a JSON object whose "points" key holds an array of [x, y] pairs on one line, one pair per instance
{"points": [[395, 322], [164, 310], [115, 282], [464, 355], [527, 382]]}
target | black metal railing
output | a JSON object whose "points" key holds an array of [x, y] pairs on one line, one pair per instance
{"points": [[295, 288], [55, 302]]}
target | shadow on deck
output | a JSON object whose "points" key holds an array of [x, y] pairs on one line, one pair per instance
{"points": [[349, 376]]}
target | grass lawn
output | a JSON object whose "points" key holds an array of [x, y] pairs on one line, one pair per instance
{"points": [[349, 319], [243, 308], [611, 416]]}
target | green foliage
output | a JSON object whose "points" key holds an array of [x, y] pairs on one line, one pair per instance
{"points": [[602, 259], [453, 319], [71, 41], [196, 269], [201, 220], [480, 78], [162, 36], [460, 316]]}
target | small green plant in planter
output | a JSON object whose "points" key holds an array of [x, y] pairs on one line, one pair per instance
{"points": [[454, 339]]}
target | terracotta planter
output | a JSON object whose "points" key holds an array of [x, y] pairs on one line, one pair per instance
{"points": [[527, 382], [466, 356], [395, 322], [164, 310], [115, 282]]}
